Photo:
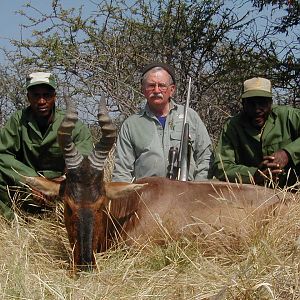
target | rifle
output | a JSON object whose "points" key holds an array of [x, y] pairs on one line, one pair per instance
{"points": [[173, 161], [179, 161]]}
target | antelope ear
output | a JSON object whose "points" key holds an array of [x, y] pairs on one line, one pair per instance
{"points": [[43, 185], [115, 190]]}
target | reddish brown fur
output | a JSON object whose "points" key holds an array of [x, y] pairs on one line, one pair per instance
{"points": [[97, 213], [175, 208]]}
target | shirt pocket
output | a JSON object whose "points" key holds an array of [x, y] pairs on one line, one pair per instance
{"points": [[284, 142], [277, 144], [175, 142], [175, 138]]}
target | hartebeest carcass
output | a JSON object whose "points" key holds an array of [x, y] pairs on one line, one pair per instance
{"points": [[96, 212]]}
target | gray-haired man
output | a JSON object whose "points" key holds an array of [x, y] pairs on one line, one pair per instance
{"points": [[146, 137]]}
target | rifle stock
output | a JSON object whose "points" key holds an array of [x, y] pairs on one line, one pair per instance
{"points": [[172, 168]]}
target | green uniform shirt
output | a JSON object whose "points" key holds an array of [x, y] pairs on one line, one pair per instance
{"points": [[143, 145], [25, 149], [241, 147]]}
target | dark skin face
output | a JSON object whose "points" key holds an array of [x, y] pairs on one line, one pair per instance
{"points": [[42, 99], [257, 110]]}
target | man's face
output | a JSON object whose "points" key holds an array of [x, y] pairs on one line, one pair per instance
{"points": [[41, 98], [257, 109], [157, 89]]}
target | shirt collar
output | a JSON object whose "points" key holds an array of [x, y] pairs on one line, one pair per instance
{"points": [[257, 133], [31, 119]]}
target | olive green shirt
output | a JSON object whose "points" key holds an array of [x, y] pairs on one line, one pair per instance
{"points": [[24, 149], [241, 147], [143, 145]]}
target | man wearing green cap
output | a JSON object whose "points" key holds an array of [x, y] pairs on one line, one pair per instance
{"points": [[262, 143], [28, 144], [146, 137]]}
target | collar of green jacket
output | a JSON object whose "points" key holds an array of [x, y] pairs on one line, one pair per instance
{"points": [[29, 117]]}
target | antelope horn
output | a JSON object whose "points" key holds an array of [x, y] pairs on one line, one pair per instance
{"points": [[72, 157], [109, 134]]}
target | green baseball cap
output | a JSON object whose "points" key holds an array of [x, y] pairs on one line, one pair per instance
{"points": [[40, 78]]}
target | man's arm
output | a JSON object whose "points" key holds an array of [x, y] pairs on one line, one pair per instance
{"points": [[125, 157], [289, 154], [293, 148], [225, 166], [9, 147], [202, 152]]}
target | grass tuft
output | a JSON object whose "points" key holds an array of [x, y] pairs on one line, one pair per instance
{"points": [[262, 263]]}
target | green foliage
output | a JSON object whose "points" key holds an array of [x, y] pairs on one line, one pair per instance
{"points": [[103, 52]]}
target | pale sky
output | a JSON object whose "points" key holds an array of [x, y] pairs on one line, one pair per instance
{"points": [[10, 21]]}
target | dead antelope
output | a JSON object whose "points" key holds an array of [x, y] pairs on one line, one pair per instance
{"points": [[96, 212]]}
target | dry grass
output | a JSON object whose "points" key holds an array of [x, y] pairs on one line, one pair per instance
{"points": [[263, 264]]}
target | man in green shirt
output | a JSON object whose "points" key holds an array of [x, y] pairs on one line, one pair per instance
{"points": [[261, 144], [28, 141], [146, 137]]}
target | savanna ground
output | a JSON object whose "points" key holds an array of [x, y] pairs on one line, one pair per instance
{"points": [[35, 263]]}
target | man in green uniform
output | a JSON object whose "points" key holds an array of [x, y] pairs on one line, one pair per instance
{"points": [[146, 137], [261, 144], [28, 144]]}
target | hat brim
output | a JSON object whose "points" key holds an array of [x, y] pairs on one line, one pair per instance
{"points": [[257, 93], [41, 82]]}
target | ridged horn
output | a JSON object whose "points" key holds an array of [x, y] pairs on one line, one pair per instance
{"points": [[72, 157], [109, 134]]}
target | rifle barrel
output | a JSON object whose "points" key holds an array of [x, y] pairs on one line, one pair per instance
{"points": [[182, 158], [187, 104]]}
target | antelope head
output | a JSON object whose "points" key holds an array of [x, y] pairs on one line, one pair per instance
{"points": [[83, 191]]}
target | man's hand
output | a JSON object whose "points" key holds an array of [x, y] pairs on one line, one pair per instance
{"points": [[281, 158], [271, 166]]}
